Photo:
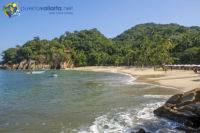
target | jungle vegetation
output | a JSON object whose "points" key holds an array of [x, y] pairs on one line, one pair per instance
{"points": [[142, 45]]}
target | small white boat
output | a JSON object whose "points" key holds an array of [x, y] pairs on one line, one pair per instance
{"points": [[54, 75], [37, 72]]}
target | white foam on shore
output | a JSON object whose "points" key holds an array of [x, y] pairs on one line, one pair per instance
{"points": [[132, 79], [105, 124], [147, 111], [158, 96], [123, 122]]}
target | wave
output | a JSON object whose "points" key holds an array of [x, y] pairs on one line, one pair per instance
{"points": [[131, 78], [126, 122], [158, 96], [128, 80]]}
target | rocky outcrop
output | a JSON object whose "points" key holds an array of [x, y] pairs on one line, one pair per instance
{"points": [[65, 65], [4, 67], [188, 129], [31, 64], [41, 66], [15, 66], [23, 64], [183, 108]]}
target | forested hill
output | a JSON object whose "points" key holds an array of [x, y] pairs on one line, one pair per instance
{"points": [[185, 40], [144, 44]]}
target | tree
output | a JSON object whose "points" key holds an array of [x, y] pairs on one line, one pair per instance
{"points": [[9, 56]]}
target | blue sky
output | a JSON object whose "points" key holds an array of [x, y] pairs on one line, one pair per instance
{"points": [[111, 17]]}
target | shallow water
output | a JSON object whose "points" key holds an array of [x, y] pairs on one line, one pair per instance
{"points": [[79, 101]]}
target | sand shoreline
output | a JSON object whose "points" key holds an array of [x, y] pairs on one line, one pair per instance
{"points": [[184, 80]]}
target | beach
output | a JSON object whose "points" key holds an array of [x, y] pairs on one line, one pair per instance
{"points": [[184, 80]]}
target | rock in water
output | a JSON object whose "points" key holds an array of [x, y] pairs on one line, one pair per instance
{"points": [[183, 108], [188, 129], [141, 131]]}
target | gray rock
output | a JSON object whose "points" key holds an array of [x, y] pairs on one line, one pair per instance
{"points": [[183, 108]]}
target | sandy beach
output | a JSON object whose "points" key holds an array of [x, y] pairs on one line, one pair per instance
{"points": [[180, 79]]}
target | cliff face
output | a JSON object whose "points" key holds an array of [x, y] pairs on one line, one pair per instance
{"points": [[31, 64]]}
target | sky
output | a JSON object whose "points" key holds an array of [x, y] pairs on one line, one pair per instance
{"points": [[110, 17]]}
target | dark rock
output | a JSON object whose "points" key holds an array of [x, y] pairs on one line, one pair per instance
{"points": [[183, 108], [188, 129], [141, 131]]}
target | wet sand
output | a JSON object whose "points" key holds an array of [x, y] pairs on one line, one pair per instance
{"points": [[181, 79]]}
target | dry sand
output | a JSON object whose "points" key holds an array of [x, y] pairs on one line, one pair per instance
{"points": [[181, 79]]}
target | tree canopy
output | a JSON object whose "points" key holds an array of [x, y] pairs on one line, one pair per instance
{"points": [[144, 44]]}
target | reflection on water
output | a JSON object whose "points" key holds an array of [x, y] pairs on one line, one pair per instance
{"points": [[78, 101]]}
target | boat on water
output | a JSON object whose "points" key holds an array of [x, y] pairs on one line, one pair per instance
{"points": [[54, 75], [34, 72], [37, 72]]}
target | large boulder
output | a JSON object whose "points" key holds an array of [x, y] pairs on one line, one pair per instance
{"points": [[183, 108]]}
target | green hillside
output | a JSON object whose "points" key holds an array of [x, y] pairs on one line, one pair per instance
{"points": [[185, 40], [144, 44]]}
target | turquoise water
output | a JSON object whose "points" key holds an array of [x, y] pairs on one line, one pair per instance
{"points": [[79, 101]]}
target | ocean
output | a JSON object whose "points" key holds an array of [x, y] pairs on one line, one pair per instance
{"points": [[80, 102]]}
